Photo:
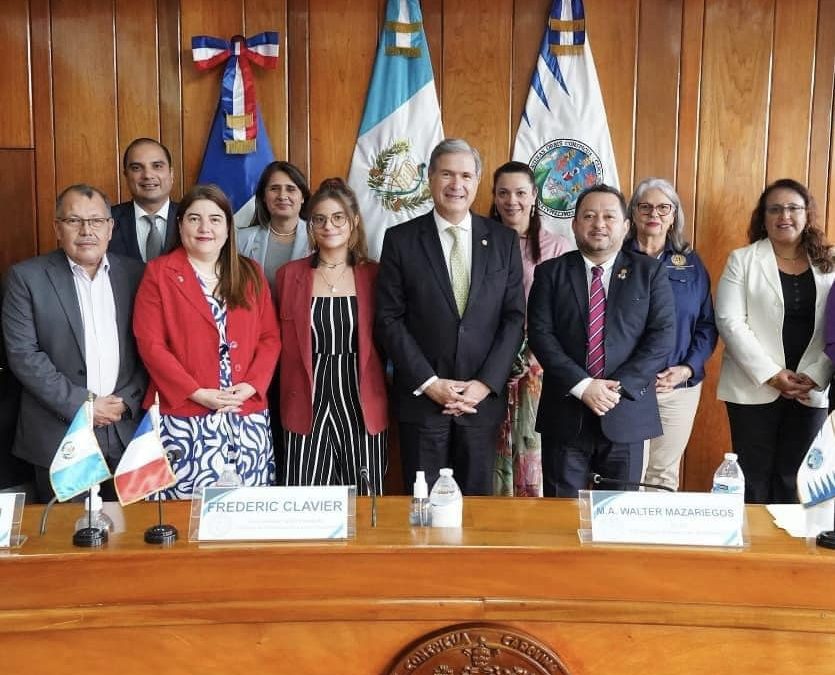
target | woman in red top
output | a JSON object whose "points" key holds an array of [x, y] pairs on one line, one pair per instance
{"points": [[206, 330], [333, 393]]}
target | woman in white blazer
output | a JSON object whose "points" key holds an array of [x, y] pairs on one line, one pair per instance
{"points": [[770, 307], [278, 232]]}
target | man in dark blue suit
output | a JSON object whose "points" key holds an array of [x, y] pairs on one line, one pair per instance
{"points": [[601, 322], [450, 311], [146, 226]]}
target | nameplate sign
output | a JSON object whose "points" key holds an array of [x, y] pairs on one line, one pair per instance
{"points": [[672, 518], [276, 513], [11, 516]]}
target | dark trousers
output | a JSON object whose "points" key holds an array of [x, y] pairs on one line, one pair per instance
{"points": [[771, 440], [566, 465], [469, 451]]}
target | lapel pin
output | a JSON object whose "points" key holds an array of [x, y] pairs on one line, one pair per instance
{"points": [[484, 242], [678, 260], [622, 274], [180, 278]]}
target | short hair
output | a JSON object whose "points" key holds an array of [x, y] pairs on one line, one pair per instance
{"points": [[143, 141], [261, 216], [451, 146], [338, 190], [239, 279], [83, 189], [675, 235], [605, 189], [812, 239]]}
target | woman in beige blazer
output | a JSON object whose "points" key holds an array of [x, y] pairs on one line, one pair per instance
{"points": [[770, 307]]}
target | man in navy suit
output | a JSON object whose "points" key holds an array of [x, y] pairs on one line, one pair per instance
{"points": [[450, 311], [601, 322], [146, 226]]}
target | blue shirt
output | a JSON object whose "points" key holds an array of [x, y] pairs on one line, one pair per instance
{"points": [[696, 332]]}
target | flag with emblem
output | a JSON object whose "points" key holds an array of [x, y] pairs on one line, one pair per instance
{"points": [[238, 148], [400, 125], [144, 468], [78, 464], [564, 135], [816, 475]]}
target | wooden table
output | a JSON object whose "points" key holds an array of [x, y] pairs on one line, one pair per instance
{"points": [[351, 607]]}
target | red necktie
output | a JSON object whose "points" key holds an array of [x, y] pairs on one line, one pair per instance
{"points": [[596, 354]]}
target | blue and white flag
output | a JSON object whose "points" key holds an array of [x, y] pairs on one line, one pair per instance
{"points": [[564, 135], [816, 475], [401, 124], [78, 463], [238, 148]]}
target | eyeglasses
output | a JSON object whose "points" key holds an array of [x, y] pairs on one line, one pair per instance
{"points": [[76, 223], [337, 219], [778, 209], [646, 209]]}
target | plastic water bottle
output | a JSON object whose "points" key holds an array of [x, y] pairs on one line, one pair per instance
{"points": [[729, 478], [94, 516], [229, 476], [447, 501], [420, 514]]}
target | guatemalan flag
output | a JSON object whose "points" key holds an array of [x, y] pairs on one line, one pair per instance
{"points": [[144, 468], [401, 124], [78, 463], [238, 148], [564, 135], [816, 475]]}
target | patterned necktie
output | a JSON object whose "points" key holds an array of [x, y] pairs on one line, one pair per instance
{"points": [[153, 246], [596, 354], [459, 274]]}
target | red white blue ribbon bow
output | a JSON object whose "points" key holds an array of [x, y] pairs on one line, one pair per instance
{"points": [[237, 96]]}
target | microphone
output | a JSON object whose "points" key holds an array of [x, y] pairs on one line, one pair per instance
{"points": [[367, 478], [597, 479]]}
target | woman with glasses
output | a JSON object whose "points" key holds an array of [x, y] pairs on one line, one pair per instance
{"points": [[770, 313], [277, 233], [333, 394], [519, 454], [657, 229], [206, 330]]}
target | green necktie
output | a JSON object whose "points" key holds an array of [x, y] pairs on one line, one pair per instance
{"points": [[458, 271]]}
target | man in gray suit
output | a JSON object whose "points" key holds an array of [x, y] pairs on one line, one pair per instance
{"points": [[67, 329], [146, 226]]}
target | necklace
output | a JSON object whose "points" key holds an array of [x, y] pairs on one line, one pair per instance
{"points": [[201, 274], [284, 234], [782, 257], [332, 286], [330, 265]]}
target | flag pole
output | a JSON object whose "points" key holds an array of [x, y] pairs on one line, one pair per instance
{"points": [[161, 533], [90, 537]]}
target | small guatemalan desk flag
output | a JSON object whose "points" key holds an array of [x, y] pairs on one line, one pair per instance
{"points": [[816, 475], [78, 464], [564, 136], [401, 124], [144, 468], [238, 148]]}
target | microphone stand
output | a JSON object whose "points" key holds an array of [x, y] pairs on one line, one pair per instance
{"points": [[597, 479], [365, 476]]}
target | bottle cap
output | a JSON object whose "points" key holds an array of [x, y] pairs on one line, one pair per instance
{"points": [[446, 472], [420, 490], [731, 456]]}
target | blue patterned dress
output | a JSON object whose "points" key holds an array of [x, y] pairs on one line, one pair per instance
{"points": [[205, 443]]}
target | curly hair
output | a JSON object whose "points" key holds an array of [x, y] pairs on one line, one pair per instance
{"points": [[812, 239]]}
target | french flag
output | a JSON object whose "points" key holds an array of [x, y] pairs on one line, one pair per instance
{"points": [[144, 468]]}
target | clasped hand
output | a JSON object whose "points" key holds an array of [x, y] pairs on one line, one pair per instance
{"points": [[601, 396], [107, 410], [458, 397], [793, 385], [224, 400]]}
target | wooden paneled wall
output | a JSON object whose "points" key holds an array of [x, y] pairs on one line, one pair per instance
{"points": [[720, 96]]}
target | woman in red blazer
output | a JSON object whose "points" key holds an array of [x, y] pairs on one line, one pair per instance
{"points": [[206, 329], [332, 388]]}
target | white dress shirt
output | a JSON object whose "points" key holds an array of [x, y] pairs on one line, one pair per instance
{"points": [[101, 334], [142, 227]]}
